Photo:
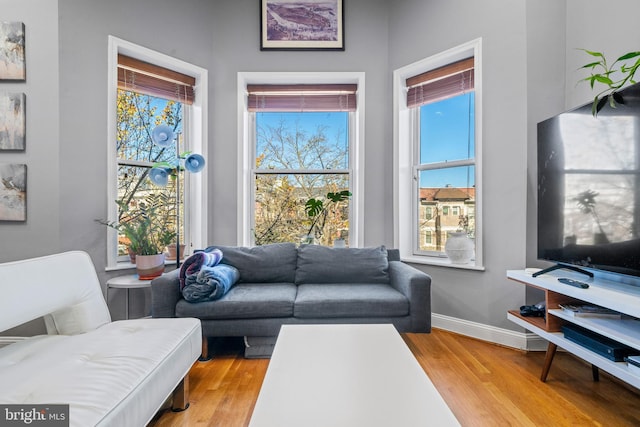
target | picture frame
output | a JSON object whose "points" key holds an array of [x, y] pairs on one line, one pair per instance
{"points": [[13, 123], [12, 52], [13, 192], [301, 25]]}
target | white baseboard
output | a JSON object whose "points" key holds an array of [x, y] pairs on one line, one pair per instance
{"points": [[508, 338]]}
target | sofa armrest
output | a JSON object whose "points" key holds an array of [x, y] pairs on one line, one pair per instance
{"points": [[8, 340], [165, 294], [416, 286]]}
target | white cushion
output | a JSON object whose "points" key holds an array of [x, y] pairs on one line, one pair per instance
{"points": [[118, 375]]}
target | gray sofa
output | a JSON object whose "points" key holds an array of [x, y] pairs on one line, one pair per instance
{"points": [[284, 284]]}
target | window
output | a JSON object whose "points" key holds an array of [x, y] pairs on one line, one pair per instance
{"points": [[428, 212], [148, 89], [301, 144], [301, 153], [437, 142]]}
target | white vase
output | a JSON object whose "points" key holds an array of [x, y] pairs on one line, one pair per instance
{"points": [[149, 266], [459, 247]]}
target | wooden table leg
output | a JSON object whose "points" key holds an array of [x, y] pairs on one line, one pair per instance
{"points": [[551, 351]]}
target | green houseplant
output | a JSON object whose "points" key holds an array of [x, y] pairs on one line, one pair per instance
{"points": [[148, 226], [318, 210], [148, 229], [613, 76]]}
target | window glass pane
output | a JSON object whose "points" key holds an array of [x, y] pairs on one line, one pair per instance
{"points": [[134, 190], [280, 214], [447, 129], [138, 115], [452, 205], [306, 140]]}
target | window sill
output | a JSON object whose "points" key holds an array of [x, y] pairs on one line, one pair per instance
{"points": [[440, 262], [129, 266]]}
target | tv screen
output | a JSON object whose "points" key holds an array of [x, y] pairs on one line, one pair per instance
{"points": [[589, 187]]}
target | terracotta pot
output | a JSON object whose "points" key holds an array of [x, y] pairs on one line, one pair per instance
{"points": [[171, 251], [132, 255], [149, 266]]}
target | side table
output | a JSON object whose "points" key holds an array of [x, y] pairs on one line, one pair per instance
{"points": [[128, 282]]}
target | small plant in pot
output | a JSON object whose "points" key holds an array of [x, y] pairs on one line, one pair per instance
{"points": [[613, 76], [147, 226]]}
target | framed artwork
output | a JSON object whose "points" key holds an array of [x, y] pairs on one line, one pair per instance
{"points": [[12, 64], [12, 121], [301, 25], [13, 192]]}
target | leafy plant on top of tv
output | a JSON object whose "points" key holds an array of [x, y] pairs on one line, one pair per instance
{"points": [[604, 73]]}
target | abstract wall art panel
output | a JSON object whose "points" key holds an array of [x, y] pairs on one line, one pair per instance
{"points": [[12, 62], [13, 192], [12, 121]]}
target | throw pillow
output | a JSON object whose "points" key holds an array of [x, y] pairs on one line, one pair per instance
{"points": [[271, 263], [322, 264]]}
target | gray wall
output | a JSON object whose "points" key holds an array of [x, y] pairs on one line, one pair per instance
{"points": [[529, 66], [40, 234], [236, 46], [222, 37], [546, 58], [419, 29]]}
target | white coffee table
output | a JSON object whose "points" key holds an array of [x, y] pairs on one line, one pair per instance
{"points": [[346, 375]]}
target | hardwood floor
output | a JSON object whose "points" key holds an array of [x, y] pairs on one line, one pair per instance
{"points": [[483, 384]]}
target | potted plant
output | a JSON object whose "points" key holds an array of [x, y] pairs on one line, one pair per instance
{"points": [[148, 228], [604, 73], [318, 211]]}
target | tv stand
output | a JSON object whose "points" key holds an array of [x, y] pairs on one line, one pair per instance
{"points": [[563, 266], [606, 293]]}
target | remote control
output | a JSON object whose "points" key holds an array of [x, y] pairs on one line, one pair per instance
{"points": [[571, 282]]}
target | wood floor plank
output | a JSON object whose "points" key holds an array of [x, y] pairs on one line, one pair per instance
{"points": [[485, 385]]}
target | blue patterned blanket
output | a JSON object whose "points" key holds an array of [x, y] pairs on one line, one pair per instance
{"points": [[210, 283], [193, 264]]}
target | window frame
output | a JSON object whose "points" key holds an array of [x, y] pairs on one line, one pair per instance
{"points": [[195, 130], [406, 136], [246, 144]]}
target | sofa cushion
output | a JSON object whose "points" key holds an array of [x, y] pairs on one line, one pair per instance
{"points": [[262, 264], [116, 375], [328, 300], [321, 264], [244, 301]]}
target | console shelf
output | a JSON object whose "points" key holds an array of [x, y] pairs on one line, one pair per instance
{"points": [[613, 295]]}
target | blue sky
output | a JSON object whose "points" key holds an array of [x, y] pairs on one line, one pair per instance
{"points": [[446, 135], [444, 125]]}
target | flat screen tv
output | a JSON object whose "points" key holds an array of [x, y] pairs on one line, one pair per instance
{"points": [[589, 188]]}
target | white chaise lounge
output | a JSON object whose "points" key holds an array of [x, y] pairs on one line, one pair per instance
{"points": [[109, 373]]}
